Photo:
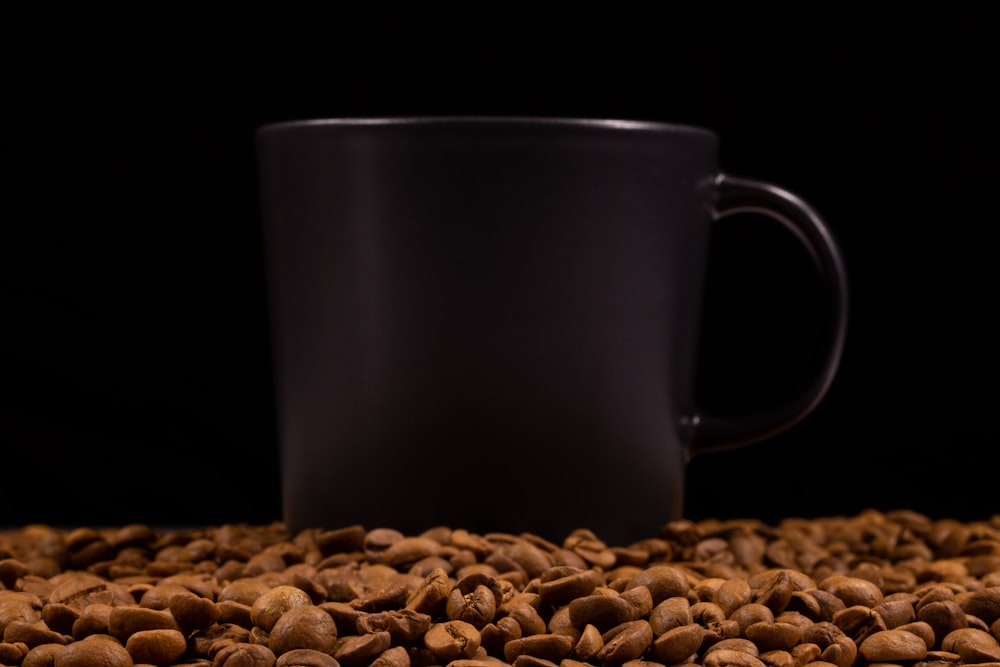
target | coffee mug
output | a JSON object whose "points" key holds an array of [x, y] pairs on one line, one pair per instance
{"points": [[491, 323]]}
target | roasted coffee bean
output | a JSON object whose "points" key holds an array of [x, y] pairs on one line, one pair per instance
{"points": [[305, 657], [562, 584], [33, 634], [404, 626], [773, 636], [124, 621], [626, 642], [244, 655], [268, 608], [852, 590], [359, 650], [546, 646], [590, 642], [602, 611], [752, 613], [893, 646], [94, 650], [303, 627], [452, 640], [394, 657], [476, 607], [677, 644], [156, 647]]}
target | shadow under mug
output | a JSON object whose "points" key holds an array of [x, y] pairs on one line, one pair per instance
{"points": [[491, 323]]}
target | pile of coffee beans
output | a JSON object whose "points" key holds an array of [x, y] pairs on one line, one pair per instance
{"points": [[873, 589]]}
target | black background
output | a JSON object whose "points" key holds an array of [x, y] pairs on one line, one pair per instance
{"points": [[135, 379]]}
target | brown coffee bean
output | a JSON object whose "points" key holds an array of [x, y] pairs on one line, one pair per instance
{"points": [[244, 655], [602, 611], [494, 636], [560, 624], [452, 640], [640, 599], [852, 590], [677, 644], [432, 593], [589, 643], [893, 646], [983, 604], [546, 646], [360, 650], [476, 607], [156, 647], [528, 618], [805, 653], [391, 596], [192, 612], [561, 584], [732, 594], [303, 627], [943, 616], [306, 657], [663, 581], [59, 617], [858, 622], [33, 634], [774, 636], [730, 658], [80, 589], [206, 642], [897, 610], [751, 613], [268, 608], [626, 642], [922, 630], [775, 591], [234, 612], [41, 656], [404, 626], [123, 622], [669, 614], [244, 591], [393, 657], [12, 652], [778, 659], [970, 637], [94, 650]]}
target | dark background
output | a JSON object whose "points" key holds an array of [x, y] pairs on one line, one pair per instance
{"points": [[135, 378]]}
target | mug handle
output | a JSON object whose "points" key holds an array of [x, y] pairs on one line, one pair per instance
{"points": [[713, 433]]}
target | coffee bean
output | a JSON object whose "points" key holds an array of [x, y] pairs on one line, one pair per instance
{"points": [[893, 646], [626, 642], [561, 584], [546, 646], [476, 607], [360, 650], [305, 657], [305, 626], [393, 657], [125, 621], [730, 658], [602, 611], [677, 644], [404, 626], [244, 655], [452, 640], [156, 647], [268, 608]]}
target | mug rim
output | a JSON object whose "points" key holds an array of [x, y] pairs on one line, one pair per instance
{"points": [[631, 125]]}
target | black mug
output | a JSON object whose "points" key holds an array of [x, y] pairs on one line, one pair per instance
{"points": [[491, 323]]}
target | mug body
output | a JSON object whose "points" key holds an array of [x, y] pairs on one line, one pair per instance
{"points": [[485, 323]]}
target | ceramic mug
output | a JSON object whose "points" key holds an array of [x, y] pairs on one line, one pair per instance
{"points": [[491, 323]]}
